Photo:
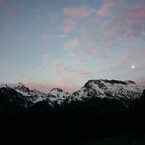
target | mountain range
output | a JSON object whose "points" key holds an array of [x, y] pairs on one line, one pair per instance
{"points": [[110, 89], [100, 108]]}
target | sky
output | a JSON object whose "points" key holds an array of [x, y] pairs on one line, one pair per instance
{"points": [[64, 43]]}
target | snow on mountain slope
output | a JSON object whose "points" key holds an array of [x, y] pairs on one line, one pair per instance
{"points": [[112, 89], [31, 95], [58, 95]]}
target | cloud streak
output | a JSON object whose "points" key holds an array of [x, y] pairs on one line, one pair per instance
{"points": [[64, 82], [72, 44], [78, 12], [45, 37], [106, 8], [83, 72], [68, 25]]}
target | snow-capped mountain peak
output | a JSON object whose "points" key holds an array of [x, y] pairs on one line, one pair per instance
{"points": [[58, 92], [12, 85], [20, 84], [58, 95], [32, 96], [111, 89]]}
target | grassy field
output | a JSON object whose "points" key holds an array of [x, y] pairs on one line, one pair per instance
{"points": [[121, 140]]}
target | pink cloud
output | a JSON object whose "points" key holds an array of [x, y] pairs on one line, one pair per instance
{"points": [[128, 25], [82, 61], [89, 51], [41, 87], [47, 87], [45, 56], [113, 30], [102, 54], [68, 68], [107, 69], [83, 30], [73, 52], [140, 80], [78, 12], [90, 39], [44, 37], [106, 8], [66, 82], [136, 54], [72, 44], [64, 79], [68, 25], [138, 10], [79, 62], [83, 72], [57, 65], [62, 36]]}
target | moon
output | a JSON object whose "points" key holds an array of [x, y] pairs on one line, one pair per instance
{"points": [[132, 66]]}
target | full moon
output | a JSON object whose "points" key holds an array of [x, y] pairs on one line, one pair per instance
{"points": [[132, 66]]}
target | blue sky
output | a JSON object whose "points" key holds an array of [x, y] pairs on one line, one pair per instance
{"points": [[62, 43]]}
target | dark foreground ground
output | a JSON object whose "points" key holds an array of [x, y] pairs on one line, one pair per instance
{"points": [[119, 140]]}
